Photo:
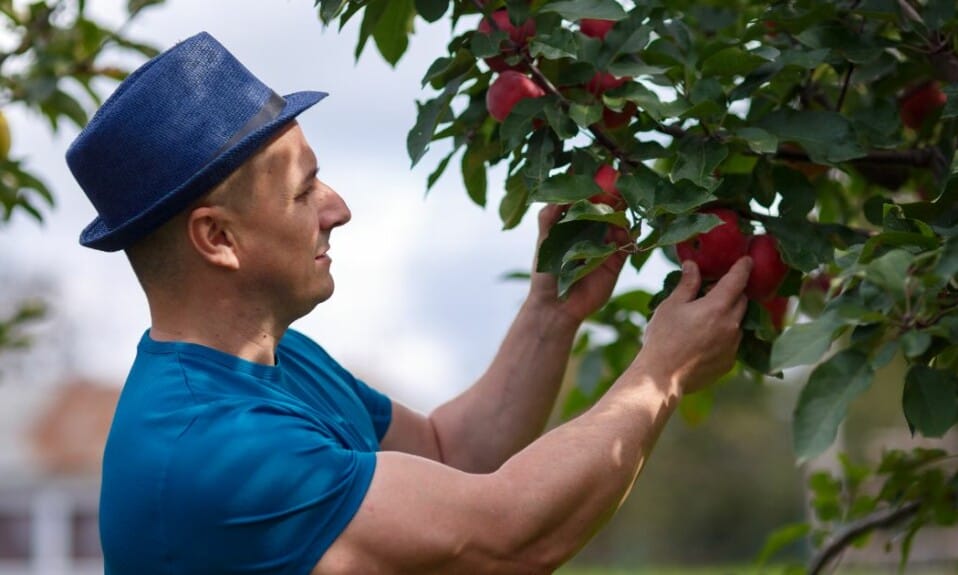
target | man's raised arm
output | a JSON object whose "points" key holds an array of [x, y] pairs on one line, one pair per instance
{"points": [[544, 503], [511, 402]]}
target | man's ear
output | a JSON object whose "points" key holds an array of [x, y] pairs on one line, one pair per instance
{"points": [[211, 236]]}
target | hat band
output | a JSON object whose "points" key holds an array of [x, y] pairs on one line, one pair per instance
{"points": [[269, 112]]}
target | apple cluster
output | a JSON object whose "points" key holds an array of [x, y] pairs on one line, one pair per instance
{"points": [[512, 84], [716, 250]]}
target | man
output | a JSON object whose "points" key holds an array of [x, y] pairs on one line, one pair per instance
{"points": [[240, 446]]}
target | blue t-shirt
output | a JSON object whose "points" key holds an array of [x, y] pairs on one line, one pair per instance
{"points": [[215, 464]]}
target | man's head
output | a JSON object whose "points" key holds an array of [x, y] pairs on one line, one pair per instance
{"points": [[263, 232], [173, 130]]}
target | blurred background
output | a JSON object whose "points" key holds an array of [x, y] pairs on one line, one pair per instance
{"points": [[421, 304]]}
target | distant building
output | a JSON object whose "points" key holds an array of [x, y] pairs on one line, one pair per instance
{"points": [[51, 440]]}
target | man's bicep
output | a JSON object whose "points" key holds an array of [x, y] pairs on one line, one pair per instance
{"points": [[411, 432], [419, 516]]}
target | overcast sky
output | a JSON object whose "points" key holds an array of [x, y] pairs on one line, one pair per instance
{"points": [[420, 306]]}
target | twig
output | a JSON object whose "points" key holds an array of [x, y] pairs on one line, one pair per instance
{"points": [[845, 82], [880, 520]]}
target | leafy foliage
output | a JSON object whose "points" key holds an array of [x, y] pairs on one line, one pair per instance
{"points": [[830, 125]]}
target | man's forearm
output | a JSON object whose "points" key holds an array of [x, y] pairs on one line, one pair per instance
{"points": [[576, 476], [509, 405]]}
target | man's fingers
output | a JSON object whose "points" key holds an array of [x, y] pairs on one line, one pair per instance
{"points": [[738, 310], [549, 215], [730, 287], [688, 286]]}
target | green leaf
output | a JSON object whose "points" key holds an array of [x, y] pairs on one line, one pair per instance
{"points": [[780, 539], [558, 44], [559, 121], [804, 343], [372, 14], [486, 45], [805, 59], [474, 175], [431, 10], [579, 261], [567, 188], [133, 7], [758, 140], [328, 9], [697, 160], [437, 173], [515, 203], [560, 240], [540, 157], [649, 101], [914, 343], [731, 61], [889, 271], [685, 226], [804, 245], [587, 211], [951, 105], [518, 123], [428, 118], [579, 9], [948, 261], [827, 137], [585, 114], [393, 29], [823, 402], [930, 400], [679, 197]]}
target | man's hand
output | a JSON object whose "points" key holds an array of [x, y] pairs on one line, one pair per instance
{"points": [[588, 294], [693, 341]]}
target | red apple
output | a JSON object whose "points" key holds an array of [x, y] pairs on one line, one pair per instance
{"points": [[768, 269], [519, 36], [602, 82], [776, 308], [507, 90], [606, 177], [716, 250], [595, 27], [613, 120], [918, 104]]}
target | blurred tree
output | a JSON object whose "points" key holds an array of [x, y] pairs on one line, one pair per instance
{"points": [[52, 61]]}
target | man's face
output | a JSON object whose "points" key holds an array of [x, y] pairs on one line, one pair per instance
{"points": [[283, 233]]}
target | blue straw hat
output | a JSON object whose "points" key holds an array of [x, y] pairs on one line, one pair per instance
{"points": [[176, 127]]}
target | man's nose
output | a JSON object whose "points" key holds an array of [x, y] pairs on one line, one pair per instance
{"points": [[334, 210]]}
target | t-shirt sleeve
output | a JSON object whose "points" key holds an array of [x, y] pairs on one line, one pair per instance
{"points": [[379, 406], [257, 489]]}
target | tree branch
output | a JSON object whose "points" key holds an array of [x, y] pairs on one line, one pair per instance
{"points": [[880, 520], [917, 158]]}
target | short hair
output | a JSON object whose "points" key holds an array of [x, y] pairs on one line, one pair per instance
{"points": [[157, 259]]}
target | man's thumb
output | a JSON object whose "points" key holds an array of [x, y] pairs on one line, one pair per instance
{"points": [[688, 286]]}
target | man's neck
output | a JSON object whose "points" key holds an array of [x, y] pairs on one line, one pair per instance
{"points": [[232, 329]]}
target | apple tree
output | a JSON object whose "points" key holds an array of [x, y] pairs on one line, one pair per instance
{"points": [[52, 63], [818, 136]]}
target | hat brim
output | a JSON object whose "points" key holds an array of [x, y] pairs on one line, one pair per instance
{"points": [[99, 235]]}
